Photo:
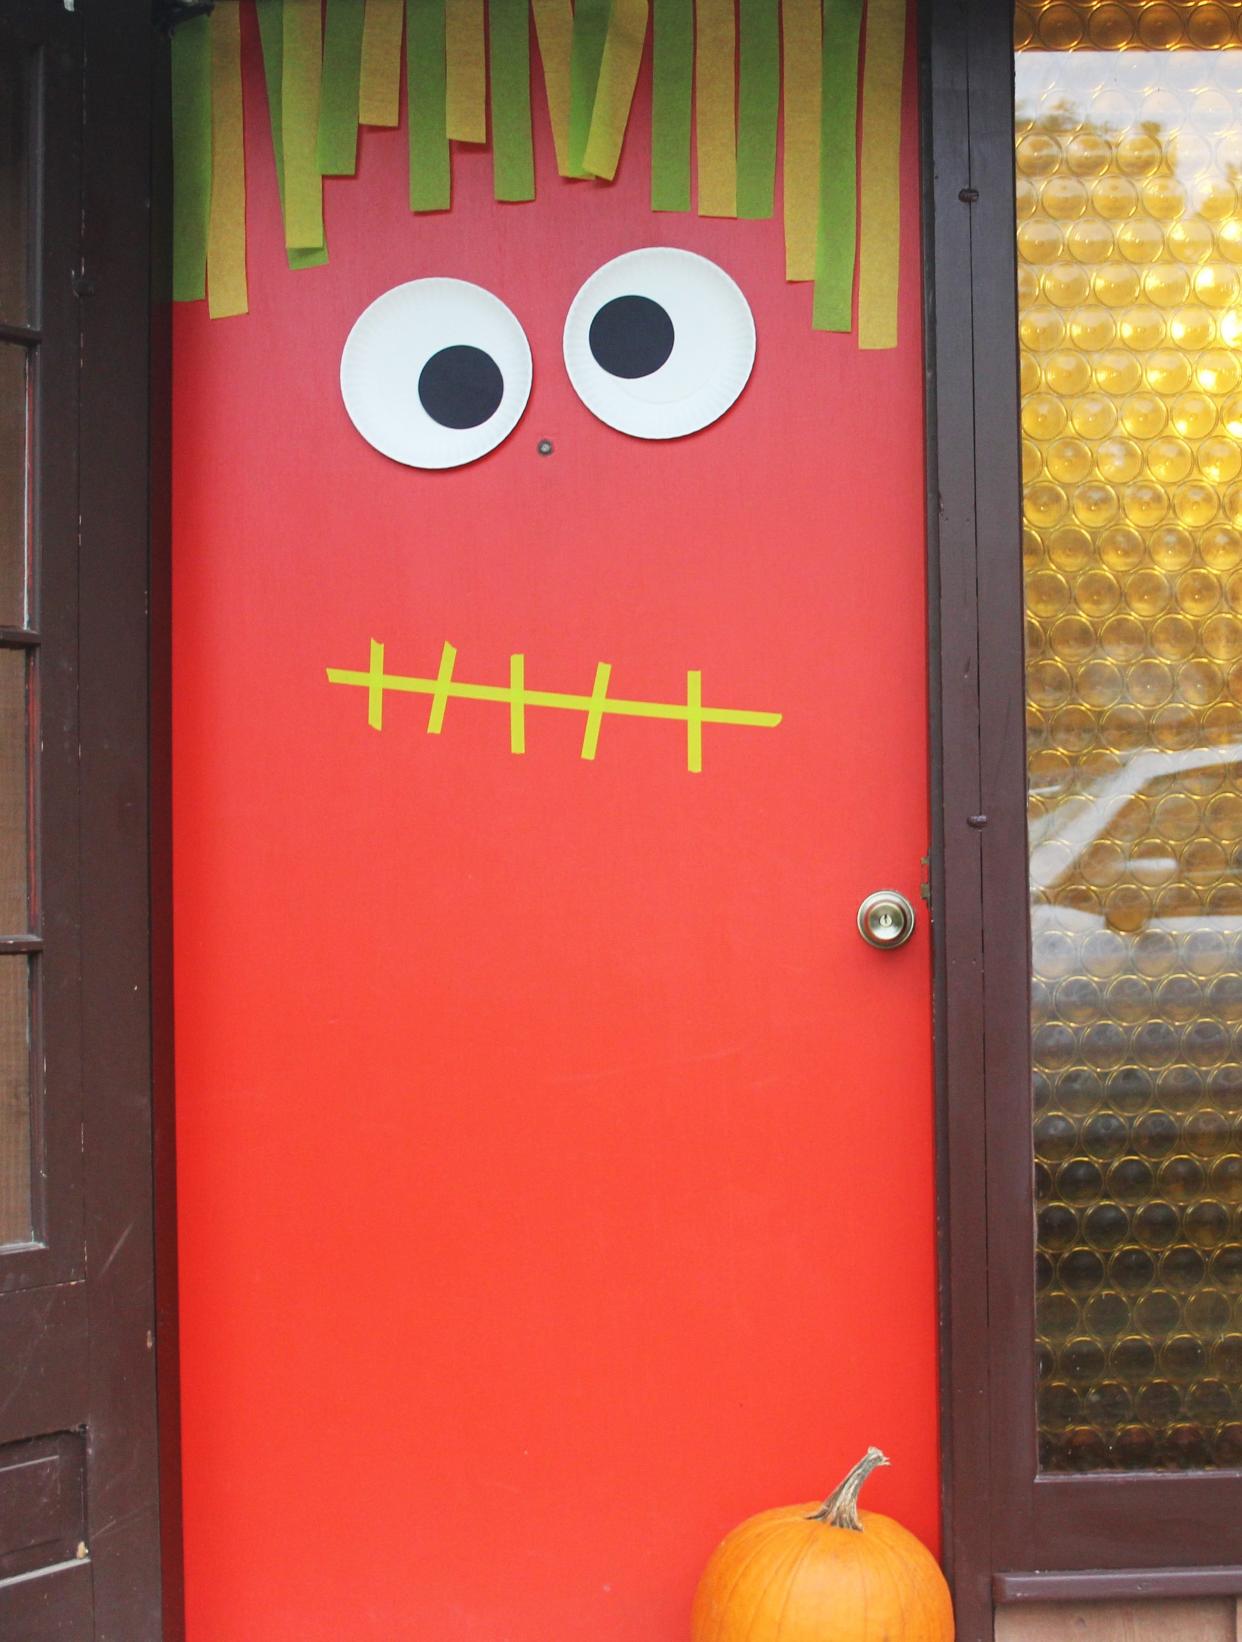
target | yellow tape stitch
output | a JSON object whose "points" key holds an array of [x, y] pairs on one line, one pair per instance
{"points": [[692, 713]]}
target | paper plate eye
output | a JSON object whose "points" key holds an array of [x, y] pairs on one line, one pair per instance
{"points": [[659, 343], [436, 373]]}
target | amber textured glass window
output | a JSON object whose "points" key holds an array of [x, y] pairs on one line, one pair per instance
{"points": [[1129, 192]]}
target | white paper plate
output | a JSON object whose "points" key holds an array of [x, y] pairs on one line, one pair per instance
{"points": [[713, 348], [393, 340]]}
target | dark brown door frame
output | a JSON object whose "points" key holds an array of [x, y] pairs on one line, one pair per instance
{"points": [[78, 1340], [1009, 1535], [133, 1504]]}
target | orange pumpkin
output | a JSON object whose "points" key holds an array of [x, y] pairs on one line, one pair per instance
{"points": [[827, 1574]]}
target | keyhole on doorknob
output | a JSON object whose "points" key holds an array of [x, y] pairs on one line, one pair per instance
{"points": [[886, 919]]}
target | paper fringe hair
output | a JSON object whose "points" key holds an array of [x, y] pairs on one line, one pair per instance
{"points": [[724, 73]]}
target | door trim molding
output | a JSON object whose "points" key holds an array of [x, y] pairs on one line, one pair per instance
{"points": [[1000, 1514], [957, 796], [1124, 1585]]}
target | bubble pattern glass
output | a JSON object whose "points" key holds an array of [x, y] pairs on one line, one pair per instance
{"points": [[1129, 193]]}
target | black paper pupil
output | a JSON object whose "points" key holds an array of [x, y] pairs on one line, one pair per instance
{"points": [[631, 336], [461, 387]]}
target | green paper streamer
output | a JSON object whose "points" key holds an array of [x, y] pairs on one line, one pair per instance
{"points": [[614, 92], [832, 309], [759, 98], [302, 73], [337, 150], [672, 81], [590, 34], [431, 185], [271, 37], [191, 122], [879, 188], [513, 159]]}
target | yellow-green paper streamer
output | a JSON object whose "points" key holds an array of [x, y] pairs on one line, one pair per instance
{"points": [[614, 95], [379, 88], [590, 33], [802, 41], [302, 44], [271, 35], [672, 95], [430, 175], [838, 169], [759, 101], [338, 94], [513, 160], [879, 248], [554, 29], [715, 132], [465, 94], [191, 121], [226, 240]]}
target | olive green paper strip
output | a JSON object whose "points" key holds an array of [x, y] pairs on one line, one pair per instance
{"points": [[614, 94], [431, 186], [832, 309], [879, 248], [226, 237], [590, 34], [554, 30], [758, 105], [191, 131], [672, 96], [465, 92], [715, 110], [337, 151], [379, 78], [271, 34], [513, 159], [302, 65], [803, 51]]}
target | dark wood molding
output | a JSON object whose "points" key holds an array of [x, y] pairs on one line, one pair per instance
{"points": [[1116, 1585], [999, 1512], [123, 1476], [77, 1303], [956, 858], [167, 1334]]}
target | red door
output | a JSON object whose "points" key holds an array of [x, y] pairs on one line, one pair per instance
{"points": [[556, 1177]]}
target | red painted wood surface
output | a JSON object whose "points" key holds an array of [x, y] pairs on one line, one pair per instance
{"points": [[555, 1161]]}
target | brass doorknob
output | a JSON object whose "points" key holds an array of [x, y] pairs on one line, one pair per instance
{"points": [[886, 919]]}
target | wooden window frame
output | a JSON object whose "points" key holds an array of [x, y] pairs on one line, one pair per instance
{"points": [[1010, 1533], [54, 1254]]}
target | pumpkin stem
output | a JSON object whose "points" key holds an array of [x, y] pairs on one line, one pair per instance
{"points": [[840, 1509]]}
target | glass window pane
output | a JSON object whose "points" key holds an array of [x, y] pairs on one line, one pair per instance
{"points": [[15, 187], [14, 762], [14, 456], [15, 1200], [1129, 165]]}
